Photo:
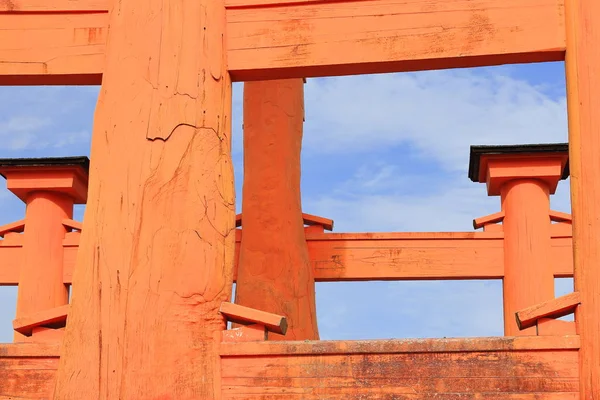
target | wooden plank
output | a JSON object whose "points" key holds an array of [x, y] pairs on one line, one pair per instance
{"points": [[72, 224], [16, 227], [555, 327], [314, 220], [406, 256], [28, 370], [555, 308], [392, 346], [54, 48], [328, 38], [488, 219], [558, 216], [447, 368], [61, 6], [308, 219], [364, 256], [29, 350], [246, 315], [57, 315], [11, 257], [298, 39]]}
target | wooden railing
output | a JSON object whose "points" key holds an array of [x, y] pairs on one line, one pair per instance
{"points": [[540, 363], [334, 256]]}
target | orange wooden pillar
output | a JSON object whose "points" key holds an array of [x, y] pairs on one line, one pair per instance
{"points": [[583, 102], [155, 259], [274, 272], [523, 177], [49, 187]]}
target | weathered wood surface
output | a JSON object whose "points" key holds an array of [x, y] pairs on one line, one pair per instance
{"points": [[555, 308], [51, 48], [366, 256], [27, 371], [583, 103], [357, 37], [407, 369], [274, 272], [156, 261], [499, 368], [63, 42]]}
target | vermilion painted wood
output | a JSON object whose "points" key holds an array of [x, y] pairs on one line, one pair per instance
{"points": [[555, 308], [583, 103], [524, 183], [274, 272], [246, 315], [363, 256], [329, 38], [352, 369], [25, 324]]}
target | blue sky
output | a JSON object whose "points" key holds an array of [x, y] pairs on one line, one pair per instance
{"points": [[381, 153]]}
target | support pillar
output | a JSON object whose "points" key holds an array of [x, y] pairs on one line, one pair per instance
{"points": [[523, 177], [275, 274], [583, 102], [49, 187], [155, 260]]}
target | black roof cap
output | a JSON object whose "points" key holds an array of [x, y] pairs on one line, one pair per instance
{"points": [[80, 161], [478, 151]]}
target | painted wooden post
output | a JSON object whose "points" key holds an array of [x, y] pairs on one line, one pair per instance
{"points": [[523, 177], [155, 261], [583, 102], [49, 187], [275, 273]]}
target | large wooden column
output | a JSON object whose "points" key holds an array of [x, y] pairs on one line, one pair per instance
{"points": [[524, 176], [274, 271], [156, 254], [583, 100]]}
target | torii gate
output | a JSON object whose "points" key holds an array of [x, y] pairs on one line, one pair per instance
{"points": [[161, 185]]}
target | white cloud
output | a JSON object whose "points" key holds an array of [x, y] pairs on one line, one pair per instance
{"points": [[440, 113]]}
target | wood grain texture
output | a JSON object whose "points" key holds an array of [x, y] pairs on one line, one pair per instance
{"points": [[54, 6], [358, 37], [274, 272], [555, 308], [364, 256], [26, 323], [393, 346], [155, 260], [55, 48], [27, 370], [298, 39], [245, 315], [583, 103], [336, 370]]}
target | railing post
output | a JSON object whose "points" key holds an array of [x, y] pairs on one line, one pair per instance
{"points": [[49, 187], [524, 177]]}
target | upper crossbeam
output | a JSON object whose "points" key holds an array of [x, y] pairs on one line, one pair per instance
{"points": [[63, 41]]}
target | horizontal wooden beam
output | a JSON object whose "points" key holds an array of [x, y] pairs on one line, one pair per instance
{"points": [[488, 219], [57, 315], [537, 367], [13, 227], [246, 316], [63, 42], [367, 256], [307, 219], [52, 48], [286, 39], [555, 308]]}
